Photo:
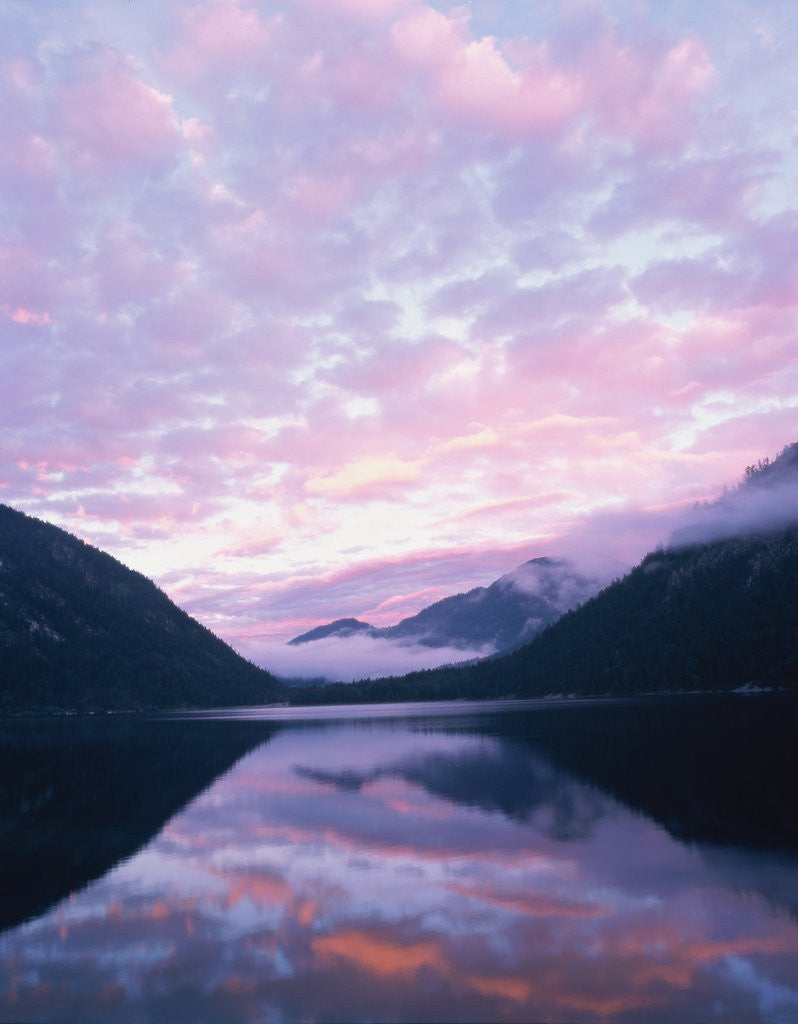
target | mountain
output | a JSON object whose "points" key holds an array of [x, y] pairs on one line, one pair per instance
{"points": [[765, 501], [503, 615], [711, 611], [340, 627], [80, 631], [712, 616]]}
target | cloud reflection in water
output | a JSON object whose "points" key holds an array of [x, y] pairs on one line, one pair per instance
{"points": [[394, 871]]}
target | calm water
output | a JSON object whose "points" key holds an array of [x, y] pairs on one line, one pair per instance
{"points": [[580, 862]]}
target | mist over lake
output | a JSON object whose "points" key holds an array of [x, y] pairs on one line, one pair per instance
{"points": [[525, 861]]}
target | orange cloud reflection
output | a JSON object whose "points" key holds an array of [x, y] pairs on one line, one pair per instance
{"points": [[515, 989], [534, 904], [306, 912], [378, 955], [258, 888]]}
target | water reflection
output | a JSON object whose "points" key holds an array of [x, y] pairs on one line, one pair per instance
{"points": [[76, 797], [519, 866]]}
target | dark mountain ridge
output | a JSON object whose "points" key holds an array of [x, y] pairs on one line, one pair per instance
{"points": [[340, 627], [80, 631]]}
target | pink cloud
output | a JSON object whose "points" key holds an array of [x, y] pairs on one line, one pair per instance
{"points": [[427, 38], [365, 477], [586, 294], [645, 95], [472, 79], [365, 9], [110, 121], [689, 284], [316, 197], [20, 315], [706, 193], [481, 84], [221, 37]]}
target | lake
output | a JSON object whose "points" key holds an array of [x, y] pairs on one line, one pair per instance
{"points": [[567, 862]]}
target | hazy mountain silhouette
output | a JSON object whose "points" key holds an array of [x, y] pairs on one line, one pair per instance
{"points": [[503, 615], [341, 628]]}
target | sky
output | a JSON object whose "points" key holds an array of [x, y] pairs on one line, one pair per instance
{"points": [[336, 307]]}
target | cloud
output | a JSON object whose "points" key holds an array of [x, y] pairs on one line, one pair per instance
{"points": [[339, 659], [369, 475], [111, 122], [558, 582], [369, 587], [472, 80], [377, 954], [220, 38], [323, 287], [767, 502]]}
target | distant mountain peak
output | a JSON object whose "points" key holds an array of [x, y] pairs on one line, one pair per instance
{"points": [[340, 628], [508, 612]]}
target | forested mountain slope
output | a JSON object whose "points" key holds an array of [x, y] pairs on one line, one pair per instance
{"points": [[78, 630], [711, 616]]}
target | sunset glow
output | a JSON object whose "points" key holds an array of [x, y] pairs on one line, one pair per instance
{"points": [[336, 307]]}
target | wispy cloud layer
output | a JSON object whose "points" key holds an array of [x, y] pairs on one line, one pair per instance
{"points": [[357, 657], [294, 295]]}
